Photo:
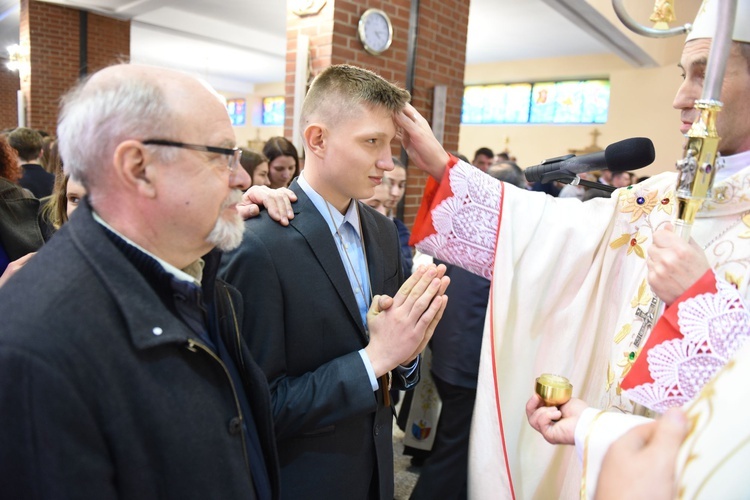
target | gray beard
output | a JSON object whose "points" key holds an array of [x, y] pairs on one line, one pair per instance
{"points": [[227, 233]]}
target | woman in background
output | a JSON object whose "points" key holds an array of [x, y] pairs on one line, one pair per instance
{"points": [[283, 161], [396, 182], [378, 199], [66, 194], [65, 198], [256, 166]]}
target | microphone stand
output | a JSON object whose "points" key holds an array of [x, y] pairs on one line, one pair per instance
{"points": [[570, 178]]}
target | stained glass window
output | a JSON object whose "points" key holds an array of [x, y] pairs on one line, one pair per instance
{"points": [[585, 101], [273, 110], [236, 109], [496, 104]]}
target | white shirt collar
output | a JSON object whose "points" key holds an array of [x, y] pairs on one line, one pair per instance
{"points": [[732, 165]]}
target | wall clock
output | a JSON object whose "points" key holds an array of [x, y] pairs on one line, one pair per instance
{"points": [[375, 31]]}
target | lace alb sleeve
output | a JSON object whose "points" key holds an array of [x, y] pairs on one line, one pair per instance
{"points": [[467, 222], [714, 326]]}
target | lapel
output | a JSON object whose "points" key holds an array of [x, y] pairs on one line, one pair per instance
{"points": [[313, 227], [375, 258]]}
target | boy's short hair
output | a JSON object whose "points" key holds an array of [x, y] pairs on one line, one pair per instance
{"points": [[27, 142], [341, 90]]}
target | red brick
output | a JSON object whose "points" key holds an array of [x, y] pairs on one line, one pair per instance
{"points": [[442, 23], [51, 32], [9, 86]]}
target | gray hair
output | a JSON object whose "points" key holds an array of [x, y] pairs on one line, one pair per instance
{"points": [[95, 118], [508, 171]]}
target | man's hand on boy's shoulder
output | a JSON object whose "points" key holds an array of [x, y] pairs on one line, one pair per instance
{"points": [[278, 203]]}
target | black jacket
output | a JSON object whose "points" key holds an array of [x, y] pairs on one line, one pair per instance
{"points": [[37, 180], [20, 231], [107, 394]]}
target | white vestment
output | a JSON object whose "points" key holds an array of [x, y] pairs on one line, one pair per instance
{"points": [[718, 441], [568, 279]]}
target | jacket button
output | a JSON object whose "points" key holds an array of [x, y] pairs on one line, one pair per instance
{"points": [[377, 429], [235, 426]]}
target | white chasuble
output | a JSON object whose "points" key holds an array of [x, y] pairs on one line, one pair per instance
{"points": [[712, 459], [568, 296]]}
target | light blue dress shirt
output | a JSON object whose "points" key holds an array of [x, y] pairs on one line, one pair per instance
{"points": [[345, 230], [349, 244]]}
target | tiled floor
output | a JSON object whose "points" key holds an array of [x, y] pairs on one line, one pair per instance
{"points": [[406, 475]]}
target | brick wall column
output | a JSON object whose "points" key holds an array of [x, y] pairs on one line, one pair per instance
{"points": [[51, 34], [440, 59], [9, 86]]}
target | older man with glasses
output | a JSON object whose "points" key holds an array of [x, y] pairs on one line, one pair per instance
{"points": [[124, 374]]}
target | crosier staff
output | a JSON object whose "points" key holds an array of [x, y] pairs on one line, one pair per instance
{"points": [[697, 168]]}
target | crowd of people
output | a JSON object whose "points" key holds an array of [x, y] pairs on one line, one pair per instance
{"points": [[487, 161], [33, 176], [217, 322], [149, 325]]}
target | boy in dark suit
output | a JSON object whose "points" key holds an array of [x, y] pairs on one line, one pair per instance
{"points": [[307, 289]]}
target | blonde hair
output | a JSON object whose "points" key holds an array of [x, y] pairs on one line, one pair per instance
{"points": [[341, 90], [55, 211]]}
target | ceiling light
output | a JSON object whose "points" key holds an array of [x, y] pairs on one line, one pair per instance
{"points": [[18, 58]]}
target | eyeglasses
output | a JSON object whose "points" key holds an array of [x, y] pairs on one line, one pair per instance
{"points": [[234, 154]]}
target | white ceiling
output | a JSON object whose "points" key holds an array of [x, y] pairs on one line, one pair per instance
{"points": [[235, 44], [505, 30]]}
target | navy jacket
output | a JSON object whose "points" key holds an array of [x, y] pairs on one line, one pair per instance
{"points": [[37, 180], [106, 393], [457, 341]]}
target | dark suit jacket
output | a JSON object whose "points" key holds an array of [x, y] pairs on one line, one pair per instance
{"points": [[304, 328], [37, 180], [104, 396], [458, 336]]}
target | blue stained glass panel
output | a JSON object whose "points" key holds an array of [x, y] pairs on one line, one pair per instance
{"points": [[564, 102], [236, 109], [496, 104], [273, 110], [596, 102]]}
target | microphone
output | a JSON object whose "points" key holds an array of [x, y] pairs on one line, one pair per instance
{"points": [[628, 154]]}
